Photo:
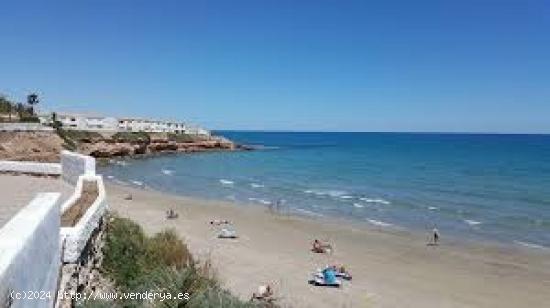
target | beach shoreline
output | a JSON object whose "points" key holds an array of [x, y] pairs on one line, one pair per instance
{"points": [[391, 268]]}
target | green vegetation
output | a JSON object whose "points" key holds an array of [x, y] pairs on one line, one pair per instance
{"points": [[161, 263], [72, 138], [68, 143], [24, 113], [183, 138], [132, 137], [82, 136]]}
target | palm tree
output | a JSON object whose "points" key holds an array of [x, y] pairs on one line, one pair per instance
{"points": [[32, 99]]}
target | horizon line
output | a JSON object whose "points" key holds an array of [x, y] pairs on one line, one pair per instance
{"points": [[377, 132]]}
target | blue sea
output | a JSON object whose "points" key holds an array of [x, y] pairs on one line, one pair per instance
{"points": [[494, 187]]}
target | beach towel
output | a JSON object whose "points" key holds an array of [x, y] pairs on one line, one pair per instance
{"points": [[227, 233]]}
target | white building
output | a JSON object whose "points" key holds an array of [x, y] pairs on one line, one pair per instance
{"points": [[111, 124], [158, 126], [87, 122]]}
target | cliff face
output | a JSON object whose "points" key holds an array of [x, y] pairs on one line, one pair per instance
{"points": [[30, 146]]}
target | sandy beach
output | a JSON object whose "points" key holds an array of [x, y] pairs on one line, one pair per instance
{"points": [[390, 268]]}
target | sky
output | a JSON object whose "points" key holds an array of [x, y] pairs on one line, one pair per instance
{"points": [[431, 66]]}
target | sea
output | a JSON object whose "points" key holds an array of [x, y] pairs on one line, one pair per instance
{"points": [[478, 186]]}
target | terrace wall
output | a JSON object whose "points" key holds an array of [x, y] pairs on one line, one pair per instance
{"points": [[73, 165], [30, 254]]}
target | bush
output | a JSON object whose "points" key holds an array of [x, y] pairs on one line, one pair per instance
{"points": [[81, 135], [167, 249], [161, 263], [125, 251], [132, 137], [29, 119]]}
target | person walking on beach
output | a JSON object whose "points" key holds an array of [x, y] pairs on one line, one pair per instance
{"points": [[435, 236]]}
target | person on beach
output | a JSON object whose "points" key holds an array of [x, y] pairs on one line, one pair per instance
{"points": [[217, 222], [171, 214], [320, 247], [435, 236], [265, 293]]}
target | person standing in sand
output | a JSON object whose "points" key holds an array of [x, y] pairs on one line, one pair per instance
{"points": [[435, 236]]}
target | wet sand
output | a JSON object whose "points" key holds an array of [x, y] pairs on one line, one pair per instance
{"points": [[390, 268]]}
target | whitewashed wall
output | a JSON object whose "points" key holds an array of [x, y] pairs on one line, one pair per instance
{"points": [[30, 252], [30, 167], [23, 127], [75, 238], [74, 165]]}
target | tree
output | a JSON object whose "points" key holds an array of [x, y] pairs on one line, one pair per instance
{"points": [[32, 99]]}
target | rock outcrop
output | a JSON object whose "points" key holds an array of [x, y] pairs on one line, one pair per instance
{"points": [[47, 146], [112, 147]]}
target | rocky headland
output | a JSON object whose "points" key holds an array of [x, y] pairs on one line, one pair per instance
{"points": [[46, 146]]}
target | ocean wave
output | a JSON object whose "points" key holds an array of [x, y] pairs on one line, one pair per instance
{"points": [[379, 223], [346, 197], [261, 201], [138, 183], [472, 222], [433, 208], [110, 177], [380, 201], [530, 245], [256, 185], [118, 162], [330, 193], [167, 171], [226, 182], [359, 205], [308, 212]]}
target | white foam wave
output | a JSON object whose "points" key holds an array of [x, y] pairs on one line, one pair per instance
{"points": [[472, 222], [380, 201], [433, 208], [262, 201], [226, 182], [379, 223], [358, 205], [330, 193], [119, 162], [138, 183], [346, 197], [167, 171], [530, 245], [110, 177], [256, 185], [307, 212]]}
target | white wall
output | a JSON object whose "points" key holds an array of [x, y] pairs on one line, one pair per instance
{"points": [[30, 167], [23, 127], [74, 165], [30, 252], [75, 238]]}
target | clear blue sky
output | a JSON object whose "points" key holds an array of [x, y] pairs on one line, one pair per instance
{"points": [[468, 65]]}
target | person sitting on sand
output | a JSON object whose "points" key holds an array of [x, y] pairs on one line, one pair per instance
{"points": [[320, 247], [265, 293], [341, 271], [171, 214], [217, 222]]}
